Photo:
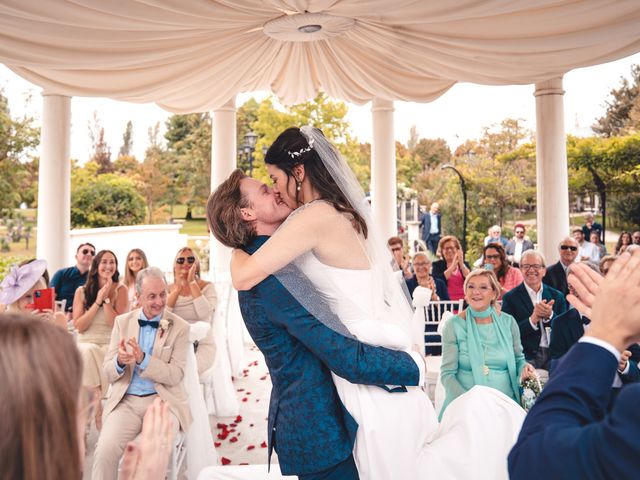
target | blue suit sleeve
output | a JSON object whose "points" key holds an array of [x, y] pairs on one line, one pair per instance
{"points": [[568, 432], [346, 357]]}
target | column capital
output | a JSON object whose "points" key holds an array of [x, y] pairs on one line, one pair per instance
{"points": [[382, 105], [553, 86]]}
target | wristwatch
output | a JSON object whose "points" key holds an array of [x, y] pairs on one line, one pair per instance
{"points": [[106, 300]]}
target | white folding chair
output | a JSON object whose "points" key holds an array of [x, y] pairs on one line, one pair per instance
{"points": [[432, 316]]}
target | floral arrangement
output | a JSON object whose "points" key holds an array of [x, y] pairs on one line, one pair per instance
{"points": [[164, 326], [530, 389]]}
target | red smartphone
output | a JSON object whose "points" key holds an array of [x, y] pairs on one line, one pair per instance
{"points": [[43, 299]]}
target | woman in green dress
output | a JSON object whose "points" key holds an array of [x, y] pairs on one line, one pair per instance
{"points": [[481, 345]]}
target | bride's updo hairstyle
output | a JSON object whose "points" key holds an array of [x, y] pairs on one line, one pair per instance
{"points": [[291, 148]]}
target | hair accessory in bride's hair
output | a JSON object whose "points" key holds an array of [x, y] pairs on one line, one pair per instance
{"points": [[297, 153]]}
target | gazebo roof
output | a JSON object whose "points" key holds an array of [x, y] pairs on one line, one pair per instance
{"points": [[194, 55]]}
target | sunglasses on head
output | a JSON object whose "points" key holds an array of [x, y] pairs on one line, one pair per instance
{"points": [[86, 251], [181, 260], [569, 247]]}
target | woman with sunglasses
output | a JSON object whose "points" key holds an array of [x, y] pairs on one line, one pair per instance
{"points": [[193, 300], [495, 259], [95, 307], [136, 261]]}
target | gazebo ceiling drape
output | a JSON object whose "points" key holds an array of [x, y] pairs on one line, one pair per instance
{"points": [[193, 55]]}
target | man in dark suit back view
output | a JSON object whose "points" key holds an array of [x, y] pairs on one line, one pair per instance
{"points": [[570, 433], [556, 275]]}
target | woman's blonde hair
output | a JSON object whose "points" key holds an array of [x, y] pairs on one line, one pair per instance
{"points": [[493, 281], [41, 378], [129, 276], [183, 249]]}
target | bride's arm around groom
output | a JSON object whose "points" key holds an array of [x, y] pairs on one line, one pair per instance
{"points": [[570, 433]]}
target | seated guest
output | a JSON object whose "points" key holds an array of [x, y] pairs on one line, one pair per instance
{"points": [[586, 249], [605, 264], [570, 326], [67, 280], [495, 258], [146, 360], [556, 276], [193, 300], [517, 245], [17, 291], [594, 238], [481, 346], [636, 238], [423, 278], [573, 431], [534, 304], [400, 260], [591, 226], [452, 269], [624, 240], [95, 306], [495, 236], [136, 261]]}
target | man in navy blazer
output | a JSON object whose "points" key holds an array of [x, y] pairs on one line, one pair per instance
{"points": [[556, 275], [534, 304], [571, 432], [431, 225], [308, 425]]}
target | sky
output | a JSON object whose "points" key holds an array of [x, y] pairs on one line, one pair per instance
{"points": [[458, 115]]}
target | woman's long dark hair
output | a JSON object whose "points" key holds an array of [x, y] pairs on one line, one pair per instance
{"points": [[504, 267], [279, 155], [92, 286]]}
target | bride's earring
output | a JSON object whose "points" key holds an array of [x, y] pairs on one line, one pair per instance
{"points": [[298, 185]]}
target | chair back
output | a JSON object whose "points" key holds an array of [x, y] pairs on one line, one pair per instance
{"points": [[432, 316]]}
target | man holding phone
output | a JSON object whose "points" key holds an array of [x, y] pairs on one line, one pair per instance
{"points": [[67, 280]]}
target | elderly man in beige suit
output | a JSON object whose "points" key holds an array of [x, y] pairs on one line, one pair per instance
{"points": [[146, 359]]}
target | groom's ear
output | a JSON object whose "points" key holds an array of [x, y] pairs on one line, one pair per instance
{"points": [[247, 214]]}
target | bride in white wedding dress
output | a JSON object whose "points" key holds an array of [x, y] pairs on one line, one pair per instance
{"points": [[332, 242]]}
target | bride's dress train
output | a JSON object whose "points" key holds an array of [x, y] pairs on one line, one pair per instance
{"points": [[398, 435]]}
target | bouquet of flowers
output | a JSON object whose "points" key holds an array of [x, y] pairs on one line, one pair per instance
{"points": [[530, 389]]}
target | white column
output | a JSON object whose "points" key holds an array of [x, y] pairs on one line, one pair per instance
{"points": [[552, 176], [54, 182], [223, 162], [383, 168]]}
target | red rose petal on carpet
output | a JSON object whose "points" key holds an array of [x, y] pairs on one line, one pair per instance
{"points": [[251, 424], [225, 461], [233, 439], [238, 419], [248, 393], [240, 390], [243, 464], [216, 444], [233, 425], [244, 399], [263, 445], [251, 447], [221, 425], [263, 378]]}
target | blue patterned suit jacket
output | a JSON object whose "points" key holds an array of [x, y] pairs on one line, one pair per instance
{"points": [[570, 433], [308, 425]]}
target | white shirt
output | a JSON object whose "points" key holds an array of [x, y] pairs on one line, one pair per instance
{"points": [[435, 228], [588, 249], [517, 253], [536, 297]]}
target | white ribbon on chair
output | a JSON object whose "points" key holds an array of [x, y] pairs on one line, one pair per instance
{"points": [[200, 449]]}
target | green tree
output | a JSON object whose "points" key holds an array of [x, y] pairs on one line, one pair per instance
{"points": [[623, 108], [127, 141], [105, 201], [101, 151]]}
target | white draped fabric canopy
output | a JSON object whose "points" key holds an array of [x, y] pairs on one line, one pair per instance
{"points": [[194, 55]]}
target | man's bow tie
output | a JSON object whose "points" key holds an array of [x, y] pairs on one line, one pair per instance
{"points": [[150, 323], [585, 320]]}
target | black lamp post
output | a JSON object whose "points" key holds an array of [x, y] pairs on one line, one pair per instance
{"points": [[464, 211], [247, 149]]}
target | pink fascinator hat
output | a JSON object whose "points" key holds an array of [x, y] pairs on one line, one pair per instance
{"points": [[20, 279]]}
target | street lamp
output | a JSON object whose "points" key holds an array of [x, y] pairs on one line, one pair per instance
{"points": [[247, 149], [464, 208]]}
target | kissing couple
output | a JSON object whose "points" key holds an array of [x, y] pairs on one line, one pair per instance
{"points": [[319, 299]]}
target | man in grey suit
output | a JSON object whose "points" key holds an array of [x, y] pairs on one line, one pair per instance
{"points": [[517, 245]]}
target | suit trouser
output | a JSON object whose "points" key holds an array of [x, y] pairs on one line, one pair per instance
{"points": [[122, 425]]}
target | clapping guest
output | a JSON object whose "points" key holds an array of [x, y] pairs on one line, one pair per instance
{"points": [[594, 238], [423, 278], [452, 269], [193, 300], [136, 261], [495, 258], [95, 306], [605, 264], [17, 291], [400, 261], [481, 346], [624, 240]]}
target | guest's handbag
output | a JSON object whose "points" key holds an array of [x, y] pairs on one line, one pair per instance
{"points": [[530, 389]]}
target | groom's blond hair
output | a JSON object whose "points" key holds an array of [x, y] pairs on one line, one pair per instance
{"points": [[223, 213]]}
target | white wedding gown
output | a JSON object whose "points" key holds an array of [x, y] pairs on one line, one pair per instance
{"points": [[398, 435]]}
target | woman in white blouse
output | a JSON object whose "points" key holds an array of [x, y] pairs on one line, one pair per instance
{"points": [[193, 300]]}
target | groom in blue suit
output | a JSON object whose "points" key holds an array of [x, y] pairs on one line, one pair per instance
{"points": [[308, 425], [570, 433]]}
